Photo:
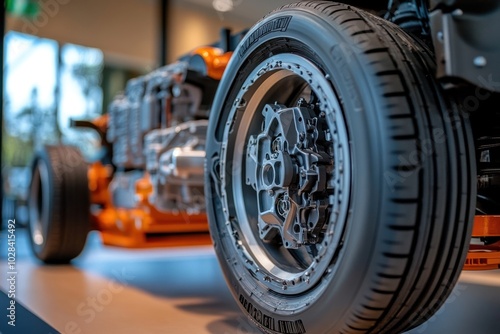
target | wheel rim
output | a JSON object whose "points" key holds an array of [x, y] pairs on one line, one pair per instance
{"points": [[290, 186], [39, 203]]}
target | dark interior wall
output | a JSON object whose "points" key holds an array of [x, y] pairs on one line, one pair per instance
{"points": [[126, 30], [377, 5]]}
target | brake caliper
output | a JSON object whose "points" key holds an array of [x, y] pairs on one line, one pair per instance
{"points": [[289, 165]]}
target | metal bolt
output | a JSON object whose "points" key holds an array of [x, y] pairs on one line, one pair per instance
{"points": [[270, 192], [440, 36], [457, 12], [241, 103], [480, 61], [176, 91]]}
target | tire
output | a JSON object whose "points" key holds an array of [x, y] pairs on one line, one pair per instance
{"points": [[59, 204], [359, 220]]}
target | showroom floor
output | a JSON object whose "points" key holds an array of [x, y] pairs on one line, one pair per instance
{"points": [[181, 290]]}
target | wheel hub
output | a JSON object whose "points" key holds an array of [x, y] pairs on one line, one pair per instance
{"points": [[285, 174], [288, 165]]}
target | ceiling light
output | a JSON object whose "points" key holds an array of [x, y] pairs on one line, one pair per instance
{"points": [[223, 5]]}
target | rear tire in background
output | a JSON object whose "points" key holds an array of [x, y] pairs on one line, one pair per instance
{"points": [[59, 204], [340, 181]]}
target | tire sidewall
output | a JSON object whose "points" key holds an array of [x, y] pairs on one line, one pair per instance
{"points": [[42, 157]]}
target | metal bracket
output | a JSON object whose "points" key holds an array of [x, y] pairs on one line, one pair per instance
{"points": [[466, 46]]}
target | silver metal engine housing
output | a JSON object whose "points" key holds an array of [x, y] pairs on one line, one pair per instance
{"points": [[172, 157]]}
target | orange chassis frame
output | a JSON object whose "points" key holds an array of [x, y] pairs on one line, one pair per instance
{"points": [[483, 257], [145, 226]]}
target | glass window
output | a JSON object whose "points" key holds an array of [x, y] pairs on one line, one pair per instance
{"points": [[81, 95]]}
